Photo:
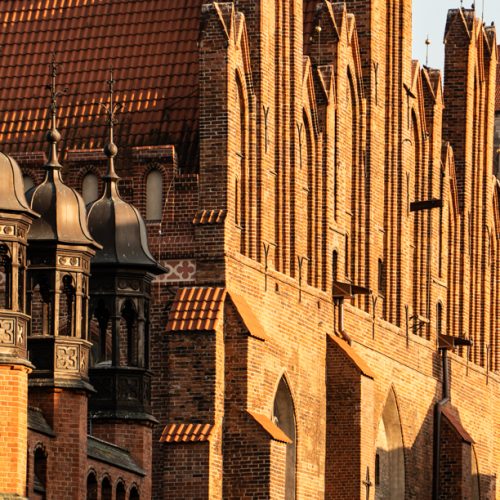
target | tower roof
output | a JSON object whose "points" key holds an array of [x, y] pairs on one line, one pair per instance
{"points": [[12, 197], [114, 223], [61, 208]]}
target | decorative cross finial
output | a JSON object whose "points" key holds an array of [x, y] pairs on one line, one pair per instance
{"points": [[427, 43], [53, 135], [110, 149]]}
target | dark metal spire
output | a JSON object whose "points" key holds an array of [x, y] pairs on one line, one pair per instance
{"points": [[110, 149], [53, 136]]}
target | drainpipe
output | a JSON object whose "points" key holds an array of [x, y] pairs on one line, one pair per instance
{"points": [[445, 343], [339, 302]]}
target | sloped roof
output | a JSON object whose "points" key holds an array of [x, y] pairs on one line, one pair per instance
{"points": [[196, 309], [152, 46], [112, 455], [187, 433], [270, 427]]}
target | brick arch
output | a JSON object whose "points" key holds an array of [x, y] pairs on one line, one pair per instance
{"points": [[389, 450], [285, 418]]}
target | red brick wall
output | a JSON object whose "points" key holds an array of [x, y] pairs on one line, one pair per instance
{"points": [[13, 429]]}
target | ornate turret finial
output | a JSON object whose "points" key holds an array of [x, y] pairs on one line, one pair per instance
{"points": [[110, 149], [53, 136], [427, 43]]}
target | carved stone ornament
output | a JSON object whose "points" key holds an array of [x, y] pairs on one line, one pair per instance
{"points": [[67, 261], [7, 328], [67, 358], [20, 334], [8, 230]]}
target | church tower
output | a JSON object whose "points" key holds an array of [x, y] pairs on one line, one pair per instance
{"points": [[15, 220], [60, 249], [122, 272]]}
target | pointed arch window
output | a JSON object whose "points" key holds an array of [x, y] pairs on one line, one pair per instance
{"points": [[120, 491], [134, 493], [106, 489], [154, 195], [91, 486], [284, 417], [90, 188]]}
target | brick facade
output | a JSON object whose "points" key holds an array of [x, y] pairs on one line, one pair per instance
{"points": [[328, 160]]}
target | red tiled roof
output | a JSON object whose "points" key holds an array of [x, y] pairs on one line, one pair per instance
{"points": [[215, 216], [152, 46], [196, 309], [186, 433], [270, 427]]}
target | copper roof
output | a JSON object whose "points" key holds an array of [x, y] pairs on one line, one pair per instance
{"points": [[270, 427], [152, 45], [196, 309], [12, 197], [186, 433]]}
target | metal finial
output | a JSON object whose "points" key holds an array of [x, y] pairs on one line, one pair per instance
{"points": [[53, 136], [110, 149], [427, 43]]}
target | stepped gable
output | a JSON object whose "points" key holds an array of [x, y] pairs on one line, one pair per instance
{"points": [[153, 49]]}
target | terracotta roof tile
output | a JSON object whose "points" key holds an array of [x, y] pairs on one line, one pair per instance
{"points": [[354, 357], [152, 45], [253, 325], [270, 427], [215, 216], [187, 433], [196, 309]]}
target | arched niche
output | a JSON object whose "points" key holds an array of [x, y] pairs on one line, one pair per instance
{"points": [[40, 472], [284, 418], [154, 195], [389, 458]]}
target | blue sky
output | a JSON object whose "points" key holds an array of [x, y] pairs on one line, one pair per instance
{"points": [[429, 16]]}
